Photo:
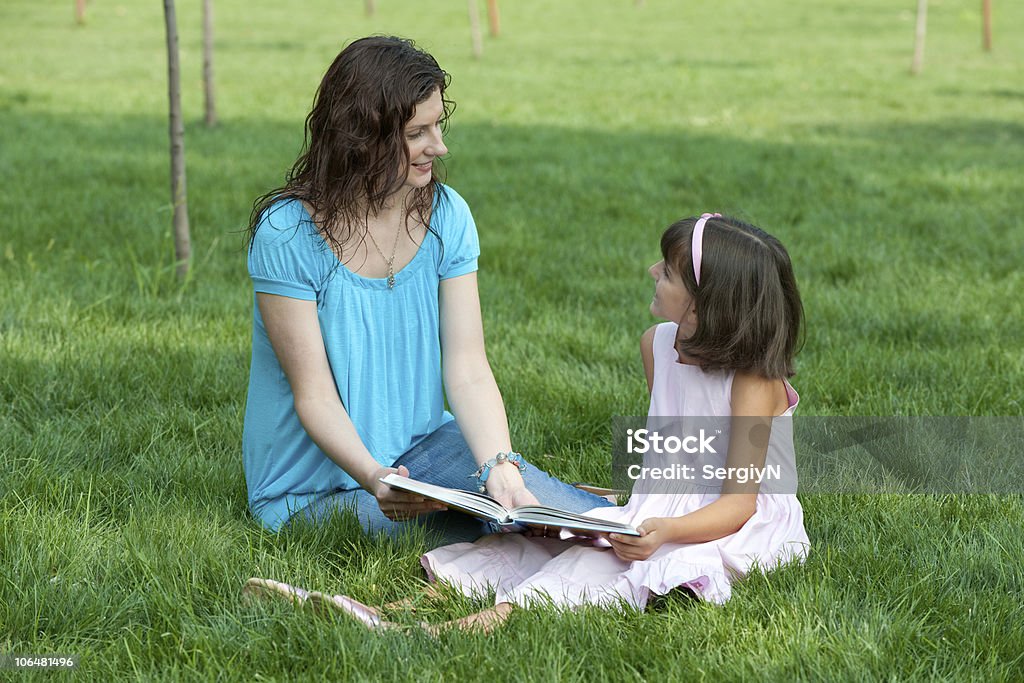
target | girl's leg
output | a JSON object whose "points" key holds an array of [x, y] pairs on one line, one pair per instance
{"points": [[484, 621]]}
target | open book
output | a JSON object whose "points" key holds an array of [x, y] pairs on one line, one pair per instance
{"points": [[485, 507]]}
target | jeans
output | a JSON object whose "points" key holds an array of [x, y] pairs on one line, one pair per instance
{"points": [[444, 458]]}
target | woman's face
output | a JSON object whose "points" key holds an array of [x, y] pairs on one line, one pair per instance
{"points": [[423, 138]]}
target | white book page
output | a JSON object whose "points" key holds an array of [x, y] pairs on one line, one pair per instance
{"points": [[475, 504]]}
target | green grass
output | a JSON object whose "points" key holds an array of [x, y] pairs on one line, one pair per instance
{"points": [[585, 130]]}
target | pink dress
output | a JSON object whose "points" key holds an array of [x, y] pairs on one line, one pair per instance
{"points": [[569, 573]]}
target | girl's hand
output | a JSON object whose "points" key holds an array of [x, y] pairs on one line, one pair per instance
{"points": [[400, 506], [653, 534]]}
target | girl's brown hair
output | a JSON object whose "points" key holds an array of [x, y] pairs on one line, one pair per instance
{"points": [[749, 313], [354, 154]]}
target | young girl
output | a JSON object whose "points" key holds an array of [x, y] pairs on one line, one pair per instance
{"points": [[728, 289]]}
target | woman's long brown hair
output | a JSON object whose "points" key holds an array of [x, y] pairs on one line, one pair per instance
{"points": [[354, 153]]}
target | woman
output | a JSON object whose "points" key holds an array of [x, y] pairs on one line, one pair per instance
{"points": [[364, 270]]}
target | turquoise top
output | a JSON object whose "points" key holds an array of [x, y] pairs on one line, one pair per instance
{"points": [[383, 346]]}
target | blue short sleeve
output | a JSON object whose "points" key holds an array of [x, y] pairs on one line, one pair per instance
{"points": [[457, 228], [283, 259]]}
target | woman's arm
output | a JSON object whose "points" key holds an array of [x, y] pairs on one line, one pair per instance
{"points": [[294, 332], [754, 400], [471, 390]]}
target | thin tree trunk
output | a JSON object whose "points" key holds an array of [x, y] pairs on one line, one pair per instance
{"points": [[494, 18], [919, 35], [80, 11], [371, 7], [208, 86], [474, 28], [986, 25], [182, 246]]}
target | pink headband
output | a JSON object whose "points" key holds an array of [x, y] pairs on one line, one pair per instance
{"points": [[697, 243]]}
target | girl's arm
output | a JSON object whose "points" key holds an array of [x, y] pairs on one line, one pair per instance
{"points": [[294, 332], [471, 390], [754, 400], [647, 355]]}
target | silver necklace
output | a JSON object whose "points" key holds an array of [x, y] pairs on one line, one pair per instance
{"points": [[389, 261]]}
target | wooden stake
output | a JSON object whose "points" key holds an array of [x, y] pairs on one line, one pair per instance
{"points": [[986, 25], [474, 28], [179, 200], [210, 96], [494, 18], [80, 11], [371, 7], [919, 34]]}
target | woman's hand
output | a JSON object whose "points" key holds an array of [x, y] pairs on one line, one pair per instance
{"points": [[400, 506], [505, 485], [654, 533]]}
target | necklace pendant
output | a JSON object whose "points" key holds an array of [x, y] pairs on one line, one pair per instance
{"points": [[391, 280]]}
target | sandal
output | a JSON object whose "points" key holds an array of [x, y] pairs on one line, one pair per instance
{"points": [[365, 615], [268, 588]]}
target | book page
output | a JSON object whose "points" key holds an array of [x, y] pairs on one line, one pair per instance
{"points": [[538, 515], [475, 504]]}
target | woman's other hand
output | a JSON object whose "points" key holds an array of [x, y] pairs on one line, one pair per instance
{"points": [[505, 484], [400, 506]]}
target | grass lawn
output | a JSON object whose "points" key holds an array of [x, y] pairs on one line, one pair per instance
{"points": [[583, 132]]}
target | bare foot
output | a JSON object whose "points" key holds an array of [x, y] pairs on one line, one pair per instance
{"points": [[430, 592], [482, 622]]}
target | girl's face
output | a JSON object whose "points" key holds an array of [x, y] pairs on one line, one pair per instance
{"points": [[424, 140], [671, 300]]}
